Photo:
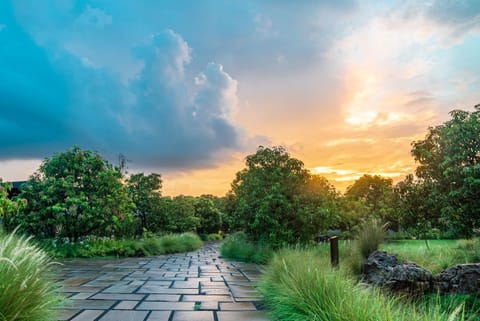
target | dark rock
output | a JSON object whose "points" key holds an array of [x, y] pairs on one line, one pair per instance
{"points": [[321, 238], [385, 270], [460, 279]]}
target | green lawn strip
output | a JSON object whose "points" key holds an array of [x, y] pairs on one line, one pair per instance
{"points": [[439, 255]]}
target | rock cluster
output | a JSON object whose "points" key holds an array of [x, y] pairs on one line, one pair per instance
{"points": [[460, 279], [385, 270]]}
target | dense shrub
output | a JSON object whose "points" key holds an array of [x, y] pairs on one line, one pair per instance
{"points": [[27, 291], [214, 237], [98, 247], [236, 246]]}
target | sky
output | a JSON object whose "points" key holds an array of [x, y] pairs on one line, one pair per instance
{"points": [[188, 89]]}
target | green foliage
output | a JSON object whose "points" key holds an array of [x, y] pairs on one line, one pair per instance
{"points": [[8, 207], [102, 247], [448, 303], [470, 250], [449, 159], [237, 247], [179, 214], [73, 194], [144, 191], [300, 285], [183, 243], [276, 201], [376, 195], [214, 237], [27, 291], [210, 216], [419, 206]]}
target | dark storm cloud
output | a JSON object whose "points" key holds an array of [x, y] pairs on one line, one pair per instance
{"points": [[51, 99]]}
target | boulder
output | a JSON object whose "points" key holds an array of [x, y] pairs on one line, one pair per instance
{"points": [[460, 279], [385, 270]]}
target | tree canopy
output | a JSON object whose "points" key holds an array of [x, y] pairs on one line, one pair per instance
{"points": [[73, 194], [449, 162], [145, 191], [271, 202]]}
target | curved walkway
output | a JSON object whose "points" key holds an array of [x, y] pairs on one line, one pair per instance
{"points": [[195, 286]]}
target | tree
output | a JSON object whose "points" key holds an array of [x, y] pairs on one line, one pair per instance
{"points": [[73, 194], [418, 205], [8, 207], [376, 193], [210, 216], [270, 200], [449, 162], [145, 193], [318, 205], [180, 214]]}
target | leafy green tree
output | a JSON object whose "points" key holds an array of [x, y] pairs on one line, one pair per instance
{"points": [[318, 206], [145, 191], [73, 194], [272, 201], [418, 205], [352, 213], [376, 192], [8, 207], [449, 162], [180, 214], [227, 206], [210, 216]]}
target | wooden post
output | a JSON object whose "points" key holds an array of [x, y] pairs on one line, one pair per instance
{"points": [[334, 250]]}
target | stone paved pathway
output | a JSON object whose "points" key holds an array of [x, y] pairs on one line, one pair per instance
{"points": [[196, 286]]}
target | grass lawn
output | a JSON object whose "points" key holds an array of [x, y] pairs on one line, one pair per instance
{"points": [[439, 255]]}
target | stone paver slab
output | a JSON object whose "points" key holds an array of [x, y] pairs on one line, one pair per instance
{"points": [[88, 315], [121, 289], [205, 298], [92, 304], [162, 290], [242, 316], [126, 305], [193, 315], [237, 306], [67, 314], [159, 316], [124, 316], [163, 297], [118, 296], [155, 305]]}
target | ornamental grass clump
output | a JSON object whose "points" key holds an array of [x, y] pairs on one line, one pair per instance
{"points": [[300, 285], [369, 237], [27, 289]]}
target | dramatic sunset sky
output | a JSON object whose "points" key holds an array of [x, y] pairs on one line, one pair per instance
{"points": [[189, 88]]}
